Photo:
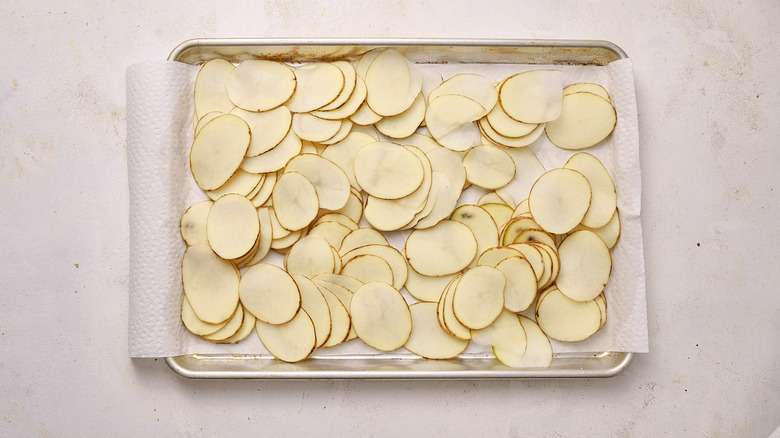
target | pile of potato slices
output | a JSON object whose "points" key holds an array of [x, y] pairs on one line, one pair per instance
{"points": [[325, 162]]}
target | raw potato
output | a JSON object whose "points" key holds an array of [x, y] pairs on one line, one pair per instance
{"points": [[589, 87], [609, 233], [521, 283], [476, 87], [538, 351], [339, 316], [426, 288], [533, 96], [348, 71], [259, 85], [505, 332], [230, 328], [585, 266], [488, 167], [193, 223], [506, 126], [380, 316], [295, 201], [449, 119], [392, 83], [446, 315], [193, 323], [369, 268], [309, 256], [586, 119], [292, 341], [210, 284], [269, 293], [242, 183], [441, 250], [387, 170], [479, 297], [603, 198], [247, 325], [232, 227], [316, 306], [318, 84], [329, 180], [210, 93], [276, 158], [559, 200], [361, 237], [343, 153], [481, 225], [218, 150], [268, 128], [389, 254], [428, 339], [567, 320], [404, 124], [312, 128]]}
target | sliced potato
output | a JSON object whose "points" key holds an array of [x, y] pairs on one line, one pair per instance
{"points": [[343, 132], [511, 142], [318, 84], [316, 306], [443, 249], [567, 320], [343, 153], [193, 223], [476, 87], [268, 128], [339, 316], [392, 83], [533, 96], [276, 158], [329, 180], [481, 225], [380, 316], [446, 316], [209, 116], [265, 238], [559, 200], [537, 353], [229, 329], [389, 254], [260, 85], [269, 293], [528, 169], [506, 331], [609, 233], [333, 232], [368, 268], [194, 324], [534, 257], [585, 266], [247, 325], [210, 284], [387, 170], [361, 237], [350, 80], [338, 218], [309, 256], [493, 256], [479, 297], [521, 283], [292, 341], [426, 288], [488, 167], [586, 119], [506, 126], [450, 117], [356, 100], [603, 198], [589, 87], [218, 150], [428, 339], [295, 201], [210, 92], [365, 115], [405, 123], [264, 192], [232, 227], [242, 183], [312, 128]]}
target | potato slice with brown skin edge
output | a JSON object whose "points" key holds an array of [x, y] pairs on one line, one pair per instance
{"points": [[428, 339], [264, 194], [268, 128], [559, 200], [380, 316], [392, 82], [350, 107], [344, 130], [260, 85], [229, 329], [449, 322], [441, 250], [609, 233], [340, 320], [493, 256], [476, 87], [511, 142], [589, 87], [209, 116], [364, 115], [585, 266], [312, 128], [210, 284], [193, 323], [391, 255], [505, 330], [535, 236], [506, 126], [333, 232], [265, 238], [218, 150], [318, 84], [242, 183], [338, 218], [404, 124], [515, 227], [193, 223], [488, 167], [533, 96], [387, 170], [603, 200], [481, 225], [500, 212], [247, 325], [449, 119], [295, 200], [368, 268], [350, 80], [528, 170], [521, 284], [586, 120], [479, 297], [361, 237], [210, 93], [275, 158], [316, 306], [269, 293], [290, 342], [567, 320], [309, 256], [329, 180], [538, 351], [232, 227], [343, 153], [344, 295]]}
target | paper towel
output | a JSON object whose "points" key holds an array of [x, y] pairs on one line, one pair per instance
{"points": [[160, 125]]}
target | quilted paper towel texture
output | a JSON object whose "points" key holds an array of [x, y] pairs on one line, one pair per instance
{"points": [[159, 130]]}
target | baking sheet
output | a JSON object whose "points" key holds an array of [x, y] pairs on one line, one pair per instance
{"points": [[495, 60]]}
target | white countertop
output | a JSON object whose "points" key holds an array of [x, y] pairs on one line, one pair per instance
{"points": [[708, 136]]}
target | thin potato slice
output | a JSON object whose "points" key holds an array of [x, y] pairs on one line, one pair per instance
{"points": [[388, 215], [441, 250], [343, 153], [344, 295], [338, 218], [268, 128], [265, 238], [521, 283], [361, 237], [493, 256], [309, 256], [392, 83], [312, 128], [210, 93], [232, 227], [447, 318], [194, 324], [586, 119], [209, 116], [276, 158], [380, 316], [388, 170], [426, 288], [350, 77], [603, 198], [247, 325], [589, 87], [350, 107], [479, 297], [295, 201], [505, 331], [511, 142], [404, 124], [329, 180], [601, 301], [609, 233], [368, 268], [353, 209], [559, 200], [193, 223], [534, 257], [537, 353], [481, 225], [585, 266], [264, 193], [506, 126], [316, 306], [389, 254], [567, 320], [533, 96], [476, 87], [229, 329], [343, 132], [428, 339], [449, 119], [242, 183], [218, 150], [333, 232], [210, 284], [292, 341], [365, 115], [269, 293], [488, 167], [339, 316], [500, 212], [260, 85], [528, 169], [318, 84]]}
